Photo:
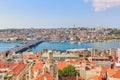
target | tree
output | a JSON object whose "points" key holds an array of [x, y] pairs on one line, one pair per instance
{"points": [[9, 60], [68, 71]]}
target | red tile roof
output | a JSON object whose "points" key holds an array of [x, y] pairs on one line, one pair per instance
{"points": [[46, 75], [71, 78], [95, 78], [32, 57], [62, 65], [104, 69], [4, 65], [117, 74], [38, 65], [111, 72], [80, 78], [18, 68]]}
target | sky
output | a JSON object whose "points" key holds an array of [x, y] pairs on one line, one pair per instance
{"points": [[59, 13]]}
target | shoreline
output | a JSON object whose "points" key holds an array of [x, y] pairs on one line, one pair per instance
{"points": [[79, 46], [62, 41]]}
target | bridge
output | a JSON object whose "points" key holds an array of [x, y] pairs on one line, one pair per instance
{"points": [[25, 46]]}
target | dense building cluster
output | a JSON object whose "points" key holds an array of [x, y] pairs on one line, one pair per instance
{"points": [[73, 35], [72, 64], [56, 65]]}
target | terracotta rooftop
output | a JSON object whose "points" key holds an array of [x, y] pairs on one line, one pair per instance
{"points": [[72, 78], [38, 65], [6, 65], [18, 68], [111, 72], [46, 75], [117, 74], [104, 69], [62, 65], [95, 78], [31, 57]]}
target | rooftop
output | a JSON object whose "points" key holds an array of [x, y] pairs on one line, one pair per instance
{"points": [[63, 55]]}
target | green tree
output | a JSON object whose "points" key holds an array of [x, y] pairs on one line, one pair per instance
{"points": [[68, 71]]}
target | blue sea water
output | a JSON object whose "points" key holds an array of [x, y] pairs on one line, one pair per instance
{"points": [[64, 45], [8, 45], [67, 45]]}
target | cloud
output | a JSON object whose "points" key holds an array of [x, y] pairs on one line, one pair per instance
{"points": [[101, 5]]}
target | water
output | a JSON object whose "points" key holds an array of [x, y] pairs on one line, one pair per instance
{"points": [[64, 45], [67, 45], [8, 45]]}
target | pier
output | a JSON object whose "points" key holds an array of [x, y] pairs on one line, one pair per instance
{"points": [[25, 46]]}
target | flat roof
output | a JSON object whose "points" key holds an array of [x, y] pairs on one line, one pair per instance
{"points": [[72, 55]]}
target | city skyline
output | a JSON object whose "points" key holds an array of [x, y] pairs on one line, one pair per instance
{"points": [[59, 13]]}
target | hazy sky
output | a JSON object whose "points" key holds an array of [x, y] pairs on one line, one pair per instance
{"points": [[59, 13]]}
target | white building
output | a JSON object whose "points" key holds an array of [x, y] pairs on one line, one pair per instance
{"points": [[117, 64], [118, 53]]}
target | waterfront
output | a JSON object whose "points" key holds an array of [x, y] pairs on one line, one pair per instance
{"points": [[67, 45], [64, 45], [8, 45]]}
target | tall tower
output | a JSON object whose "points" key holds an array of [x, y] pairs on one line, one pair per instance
{"points": [[52, 65], [83, 70], [56, 70], [50, 62], [30, 71], [50, 57], [92, 51]]}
